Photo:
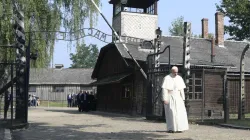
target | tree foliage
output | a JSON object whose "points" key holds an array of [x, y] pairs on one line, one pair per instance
{"points": [[177, 28], [49, 15], [85, 56], [238, 12], [210, 35]]}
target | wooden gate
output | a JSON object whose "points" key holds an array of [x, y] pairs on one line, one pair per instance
{"points": [[213, 93], [234, 93]]}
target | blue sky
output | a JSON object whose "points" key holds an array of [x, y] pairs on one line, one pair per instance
{"points": [[168, 10]]}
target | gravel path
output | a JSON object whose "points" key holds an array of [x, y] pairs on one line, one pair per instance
{"points": [[1, 133], [69, 124]]}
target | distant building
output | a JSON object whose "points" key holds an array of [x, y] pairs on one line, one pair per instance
{"points": [[56, 83]]}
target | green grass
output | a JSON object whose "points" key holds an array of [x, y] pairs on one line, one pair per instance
{"points": [[233, 121], [53, 103], [235, 116], [236, 122]]}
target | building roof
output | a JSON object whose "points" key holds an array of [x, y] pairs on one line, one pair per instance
{"points": [[111, 79], [135, 3], [61, 76], [228, 55]]}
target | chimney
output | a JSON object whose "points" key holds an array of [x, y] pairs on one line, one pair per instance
{"points": [[59, 66], [219, 29], [204, 23], [212, 49]]}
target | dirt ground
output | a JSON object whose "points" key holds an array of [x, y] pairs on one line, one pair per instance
{"points": [[69, 124]]}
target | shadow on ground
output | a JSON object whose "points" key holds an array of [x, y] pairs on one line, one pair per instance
{"points": [[119, 116], [41, 131], [113, 116]]}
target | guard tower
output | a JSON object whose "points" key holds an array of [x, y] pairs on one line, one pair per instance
{"points": [[135, 18]]}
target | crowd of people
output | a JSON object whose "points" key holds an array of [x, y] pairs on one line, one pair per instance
{"points": [[84, 100], [32, 100]]}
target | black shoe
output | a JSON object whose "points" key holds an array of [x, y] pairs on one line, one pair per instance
{"points": [[170, 131]]}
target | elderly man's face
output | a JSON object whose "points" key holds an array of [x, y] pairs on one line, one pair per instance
{"points": [[174, 72]]}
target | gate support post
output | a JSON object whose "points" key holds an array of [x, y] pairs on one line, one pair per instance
{"points": [[226, 97], [186, 61], [21, 65], [241, 111], [157, 48]]}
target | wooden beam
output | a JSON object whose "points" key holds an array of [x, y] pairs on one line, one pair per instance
{"points": [[8, 85]]}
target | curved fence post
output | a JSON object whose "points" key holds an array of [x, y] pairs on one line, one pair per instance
{"points": [[186, 61], [241, 111]]}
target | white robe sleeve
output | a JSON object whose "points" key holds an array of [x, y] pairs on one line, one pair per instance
{"points": [[164, 90], [182, 94], [165, 96]]}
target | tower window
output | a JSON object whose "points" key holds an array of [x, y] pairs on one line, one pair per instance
{"points": [[133, 10], [151, 9]]}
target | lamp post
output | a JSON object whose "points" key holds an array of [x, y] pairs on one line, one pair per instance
{"points": [[158, 32], [124, 2]]}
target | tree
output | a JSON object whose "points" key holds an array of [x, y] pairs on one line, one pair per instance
{"points": [[85, 57], [177, 27], [239, 18], [49, 16], [210, 35]]}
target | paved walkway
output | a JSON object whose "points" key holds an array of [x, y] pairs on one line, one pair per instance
{"points": [[69, 124]]}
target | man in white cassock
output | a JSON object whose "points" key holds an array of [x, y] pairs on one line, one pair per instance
{"points": [[173, 98]]}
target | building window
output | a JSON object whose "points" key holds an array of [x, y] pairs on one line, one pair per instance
{"points": [[151, 9], [133, 10], [58, 89], [195, 86], [126, 91], [32, 88]]}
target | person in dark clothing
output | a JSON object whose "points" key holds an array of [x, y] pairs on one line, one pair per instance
{"points": [[69, 98], [29, 101], [84, 102], [78, 97], [74, 100], [92, 102], [87, 102], [7, 101]]}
